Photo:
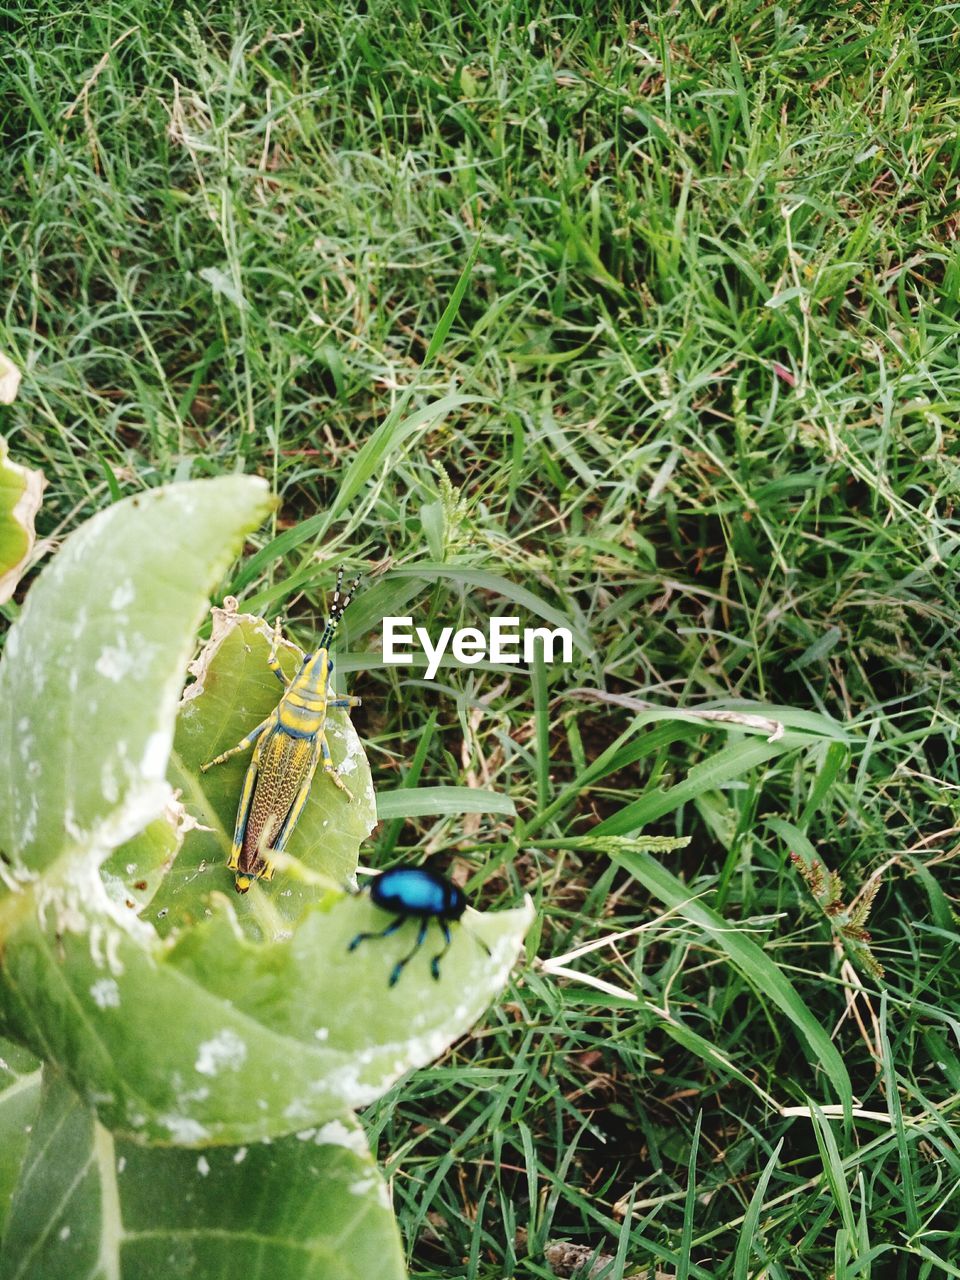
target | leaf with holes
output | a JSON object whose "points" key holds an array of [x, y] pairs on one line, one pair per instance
{"points": [[235, 1020]]}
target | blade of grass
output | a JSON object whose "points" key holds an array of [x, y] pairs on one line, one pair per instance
{"points": [[892, 1087], [750, 1231], [833, 1171], [422, 802], [725, 765], [542, 724], [689, 1202]]}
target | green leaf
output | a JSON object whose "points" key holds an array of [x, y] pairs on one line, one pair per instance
{"points": [[135, 871], [765, 975], [233, 692], [420, 802], [433, 524], [452, 309], [92, 670], [20, 492], [818, 650], [314, 1205], [19, 1100], [786, 295], [893, 1082], [725, 716], [835, 758], [211, 1037]]}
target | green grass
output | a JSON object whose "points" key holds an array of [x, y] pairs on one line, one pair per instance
{"points": [[699, 395]]}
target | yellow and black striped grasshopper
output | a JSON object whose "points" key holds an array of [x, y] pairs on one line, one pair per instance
{"points": [[290, 744]]}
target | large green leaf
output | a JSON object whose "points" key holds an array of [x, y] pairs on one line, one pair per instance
{"points": [[93, 668], [309, 1207], [211, 1037]]}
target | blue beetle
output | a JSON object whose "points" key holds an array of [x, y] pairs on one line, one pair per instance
{"points": [[415, 893]]}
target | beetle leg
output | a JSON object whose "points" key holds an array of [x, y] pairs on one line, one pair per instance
{"points": [[435, 961], [397, 969], [272, 661], [345, 702], [248, 741], [330, 767], [382, 933]]}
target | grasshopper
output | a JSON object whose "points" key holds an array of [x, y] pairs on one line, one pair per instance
{"points": [[290, 744]]}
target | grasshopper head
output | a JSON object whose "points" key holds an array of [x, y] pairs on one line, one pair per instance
{"points": [[314, 675]]}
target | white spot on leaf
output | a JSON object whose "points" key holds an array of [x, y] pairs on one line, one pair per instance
{"points": [[184, 1131], [362, 1186], [123, 595], [225, 1050], [115, 663], [336, 1134], [105, 994]]}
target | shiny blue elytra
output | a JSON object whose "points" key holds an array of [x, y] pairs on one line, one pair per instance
{"points": [[417, 891], [420, 894]]}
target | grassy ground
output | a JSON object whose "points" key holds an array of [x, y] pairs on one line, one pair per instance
{"points": [[700, 396]]}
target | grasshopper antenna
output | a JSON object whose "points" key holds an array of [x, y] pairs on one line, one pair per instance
{"points": [[338, 606]]}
